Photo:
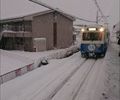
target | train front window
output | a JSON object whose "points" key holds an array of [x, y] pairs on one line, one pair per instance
{"points": [[94, 36]]}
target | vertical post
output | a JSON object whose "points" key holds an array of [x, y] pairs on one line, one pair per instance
{"points": [[97, 17], [55, 29], [23, 34]]}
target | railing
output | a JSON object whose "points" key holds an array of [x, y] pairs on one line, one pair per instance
{"points": [[17, 28]]}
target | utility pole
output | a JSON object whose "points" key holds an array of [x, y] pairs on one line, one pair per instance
{"points": [[97, 17]]}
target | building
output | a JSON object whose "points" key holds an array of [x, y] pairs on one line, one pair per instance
{"points": [[116, 29], [52, 28]]}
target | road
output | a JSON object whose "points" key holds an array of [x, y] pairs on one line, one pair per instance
{"points": [[62, 79]]}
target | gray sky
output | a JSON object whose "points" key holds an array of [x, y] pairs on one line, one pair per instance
{"points": [[81, 8]]}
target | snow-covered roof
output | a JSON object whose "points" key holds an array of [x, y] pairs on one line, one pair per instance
{"points": [[30, 16]]}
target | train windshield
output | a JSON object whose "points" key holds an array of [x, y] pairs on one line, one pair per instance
{"points": [[93, 36]]}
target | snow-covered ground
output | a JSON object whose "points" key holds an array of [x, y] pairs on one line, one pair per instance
{"points": [[10, 61], [72, 78], [15, 59]]}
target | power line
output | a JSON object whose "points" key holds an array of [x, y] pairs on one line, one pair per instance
{"points": [[58, 10], [99, 9]]}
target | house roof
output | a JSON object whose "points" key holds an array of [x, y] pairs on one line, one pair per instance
{"points": [[30, 16]]}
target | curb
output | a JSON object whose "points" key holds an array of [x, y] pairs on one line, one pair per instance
{"points": [[18, 72]]}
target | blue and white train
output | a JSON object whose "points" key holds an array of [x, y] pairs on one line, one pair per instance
{"points": [[94, 42]]}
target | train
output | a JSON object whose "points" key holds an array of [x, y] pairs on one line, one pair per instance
{"points": [[94, 41]]}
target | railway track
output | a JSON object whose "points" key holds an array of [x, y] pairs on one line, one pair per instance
{"points": [[71, 88], [56, 80], [57, 83], [63, 79]]}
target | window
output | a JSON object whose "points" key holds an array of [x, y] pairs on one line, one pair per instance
{"points": [[94, 36], [19, 41]]}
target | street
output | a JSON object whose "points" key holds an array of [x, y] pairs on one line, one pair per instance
{"points": [[72, 78]]}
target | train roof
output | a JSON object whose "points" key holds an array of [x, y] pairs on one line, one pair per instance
{"points": [[94, 25]]}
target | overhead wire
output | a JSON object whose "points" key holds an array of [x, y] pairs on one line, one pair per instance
{"points": [[99, 9], [58, 10]]}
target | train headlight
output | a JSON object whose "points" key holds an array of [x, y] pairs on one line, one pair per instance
{"points": [[82, 29], [101, 29], [91, 47]]}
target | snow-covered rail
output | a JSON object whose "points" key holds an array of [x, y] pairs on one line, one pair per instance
{"points": [[67, 76], [72, 78], [58, 82], [63, 83], [77, 73], [70, 90]]}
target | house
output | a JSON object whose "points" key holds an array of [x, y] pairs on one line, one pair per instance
{"points": [[116, 29], [39, 31]]}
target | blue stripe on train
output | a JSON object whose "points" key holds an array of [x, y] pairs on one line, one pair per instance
{"points": [[101, 49]]}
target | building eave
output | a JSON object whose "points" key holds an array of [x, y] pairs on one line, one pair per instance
{"points": [[30, 16]]}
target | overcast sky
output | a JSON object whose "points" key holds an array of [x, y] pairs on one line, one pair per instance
{"points": [[81, 8]]}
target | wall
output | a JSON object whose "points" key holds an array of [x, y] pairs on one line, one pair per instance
{"points": [[65, 32], [42, 26]]}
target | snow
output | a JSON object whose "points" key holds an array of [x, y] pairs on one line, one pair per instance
{"points": [[58, 53], [8, 31], [27, 84], [72, 78], [35, 55], [70, 89], [10, 61], [112, 86]]}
